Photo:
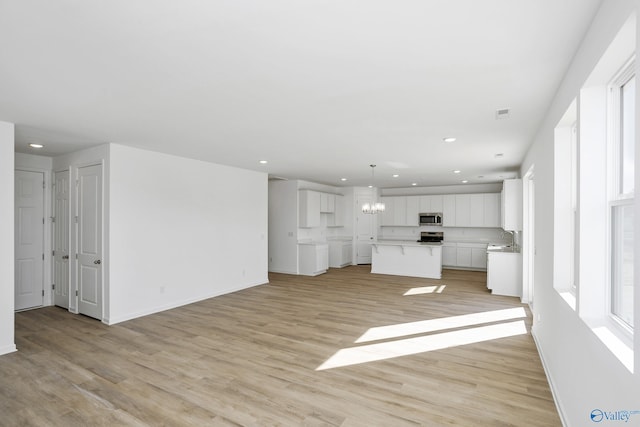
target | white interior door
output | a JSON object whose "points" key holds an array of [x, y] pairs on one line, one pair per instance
{"points": [[61, 236], [90, 241], [364, 231], [29, 239]]}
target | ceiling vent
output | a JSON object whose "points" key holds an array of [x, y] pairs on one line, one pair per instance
{"points": [[502, 113]]}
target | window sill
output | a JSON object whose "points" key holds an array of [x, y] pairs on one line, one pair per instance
{"points": [[569, 298], [617, 340]]}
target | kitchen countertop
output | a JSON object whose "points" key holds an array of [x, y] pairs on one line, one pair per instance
{"points": [[404, 243], [503, 249], [311, 242]]}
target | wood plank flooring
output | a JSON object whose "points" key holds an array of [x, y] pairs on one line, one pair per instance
{"points": [[251, 358]]}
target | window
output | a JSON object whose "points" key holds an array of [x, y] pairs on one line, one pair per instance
{"points": [[621, 194], [573, 215], [566, 201]]}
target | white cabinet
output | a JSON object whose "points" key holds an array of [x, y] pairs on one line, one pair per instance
{"points": [[471, 210], [492, 210], [337, 219], [458, 210], [465, 255], [313, 259], [449, 210], [430, 204], [340, 253], [463, 214], [327, 203], [308, 209], [479, 257], [449, 254], [399, 211], [504, 273], [476, 210], [512, 205], [412, 211]]}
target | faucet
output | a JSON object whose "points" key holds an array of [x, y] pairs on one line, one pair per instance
{"points": [[513, 236]]}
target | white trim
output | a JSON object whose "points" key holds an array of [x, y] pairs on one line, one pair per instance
{"points": [[554, 391], [175, 304], [528, 237], [8, 349]]}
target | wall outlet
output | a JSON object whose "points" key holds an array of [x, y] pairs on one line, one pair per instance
{"points": [[290, 234]]}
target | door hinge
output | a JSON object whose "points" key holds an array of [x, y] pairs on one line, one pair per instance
{"points": [[43, 257], [43, 292], [53, 286], [76, 256], [53, 219], [76, 219], [76, 293], [53, 253], [43, 186]]}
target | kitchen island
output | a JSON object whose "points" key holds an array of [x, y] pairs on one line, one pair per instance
{"points": [[402, 258]]}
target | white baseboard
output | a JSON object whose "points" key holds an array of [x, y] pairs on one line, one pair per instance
{"points": [[554, 392], [158, 309], [8, 349]]}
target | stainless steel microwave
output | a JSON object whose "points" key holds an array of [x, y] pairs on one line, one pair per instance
{"points": [[430, 219]]}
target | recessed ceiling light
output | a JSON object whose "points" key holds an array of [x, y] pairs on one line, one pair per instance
{"points": [[456, 171], [414, 183], [449, 139], [263, 162], [499, 155], [371, 186], [464, 181], [343, 179], [395, 175], [36, 145]]}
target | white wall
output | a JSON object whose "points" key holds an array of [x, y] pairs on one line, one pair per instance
{"points": [[7, 259], [181, 230], [583, 373]]}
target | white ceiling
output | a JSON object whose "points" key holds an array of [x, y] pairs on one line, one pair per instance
{"points": [[320, 89]]}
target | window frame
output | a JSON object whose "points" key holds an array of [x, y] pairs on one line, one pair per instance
{"points": [[615, 197]]}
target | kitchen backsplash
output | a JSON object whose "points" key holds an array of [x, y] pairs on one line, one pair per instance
{"points": [[450, 233]]}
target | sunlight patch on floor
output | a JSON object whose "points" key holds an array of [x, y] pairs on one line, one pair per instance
{"points": [[410, 346], [424, 326], [425, 290]]}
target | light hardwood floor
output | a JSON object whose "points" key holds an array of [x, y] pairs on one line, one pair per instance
{"points": [[251, 358]]}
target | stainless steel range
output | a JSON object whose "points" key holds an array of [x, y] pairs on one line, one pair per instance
{"points": [[431, 237]]}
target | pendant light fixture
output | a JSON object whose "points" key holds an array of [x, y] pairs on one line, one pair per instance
{"points": [[373, 207]]}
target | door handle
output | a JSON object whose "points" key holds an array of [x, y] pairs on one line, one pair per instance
{"points": [[65, 256], [97, 262]]}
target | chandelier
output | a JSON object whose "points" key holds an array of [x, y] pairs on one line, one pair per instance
{"points": [[373, 207]]}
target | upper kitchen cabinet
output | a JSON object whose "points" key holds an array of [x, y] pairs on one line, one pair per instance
{"points": [[337, 219], [412, 217], [327, 203], [400, 211], [395, 213], [431, 204], [449, 210], [471, 210], [492, 217], [308, 209], [512, 205]]}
